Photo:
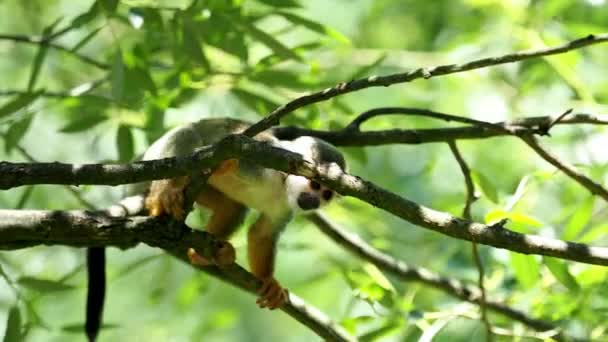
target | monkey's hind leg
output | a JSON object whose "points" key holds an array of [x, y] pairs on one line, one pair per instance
{"points": [[167, 197], [226, 216]]}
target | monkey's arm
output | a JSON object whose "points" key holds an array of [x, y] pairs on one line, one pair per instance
{"points": [[261, 247]]}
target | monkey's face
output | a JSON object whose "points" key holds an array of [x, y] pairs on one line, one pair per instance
{"points": [[304, 194]]}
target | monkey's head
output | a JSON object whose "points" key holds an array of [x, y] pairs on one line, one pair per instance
{"points": [[304, 194]]}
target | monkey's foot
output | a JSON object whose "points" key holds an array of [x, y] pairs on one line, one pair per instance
{"points": [[225, 255], [166, 198], [272, 295], [227, 166]]}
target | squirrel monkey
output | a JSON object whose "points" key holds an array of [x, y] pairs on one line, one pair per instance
{"points": [[236, 185]]}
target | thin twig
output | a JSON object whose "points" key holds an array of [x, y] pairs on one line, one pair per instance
{"points": [[558, 119], [361, 118], [466, 213], [468, 180], [76, 91], [384, 81], [570, 170], [47, 42]]}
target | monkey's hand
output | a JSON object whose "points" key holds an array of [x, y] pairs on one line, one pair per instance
{"points": [[225, 256], [227, 166], [167, 197], [272, 295]]}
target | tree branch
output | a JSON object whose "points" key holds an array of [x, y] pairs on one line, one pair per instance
{"points": [[520, 127], [26, 228], [466, 213], [240, 146], [449, 286], [367, 115], [376, 81], [468, 180], [571, 171]]}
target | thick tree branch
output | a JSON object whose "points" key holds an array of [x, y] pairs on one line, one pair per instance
{"points": [[17, 174], [26, 228], [449, 286], [239, 146], [376, 81]]}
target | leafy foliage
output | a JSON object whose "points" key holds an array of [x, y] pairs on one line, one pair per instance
{"points": [[111, 76]]}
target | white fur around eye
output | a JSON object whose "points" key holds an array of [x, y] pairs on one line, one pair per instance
{"points": [[294, 186]]}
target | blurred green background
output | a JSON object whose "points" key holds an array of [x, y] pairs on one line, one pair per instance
{"points": [[122, 72]]}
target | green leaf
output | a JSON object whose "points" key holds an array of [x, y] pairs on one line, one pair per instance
{"points": [[15, 132], [19, 102], [281, 3], [365, 70], [579, 219], [378, 277], [124, 142], [78, 328], [83, 123], [109, 5], [256, 102], [276, 46], [192, 44], [314, 26], [495, 215], [86, 17], [219, 31], [594, 233], [43, 285], [40, 55], [268, 61], [86, 39], [392, 326], [274, 78], [4, 275], [486, 186], [76, 106], [351, 324], [13, 326], [524, 219], [560, 271], [526, 268], [118, 77], [140, 79]]}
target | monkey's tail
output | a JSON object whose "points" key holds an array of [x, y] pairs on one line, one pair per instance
{"points": [[96, 266]]}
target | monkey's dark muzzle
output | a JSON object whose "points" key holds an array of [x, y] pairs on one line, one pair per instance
{"points": [[308, 201]]}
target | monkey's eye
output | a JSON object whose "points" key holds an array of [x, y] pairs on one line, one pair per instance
{"points": [[327, 195], [314, 185]]}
